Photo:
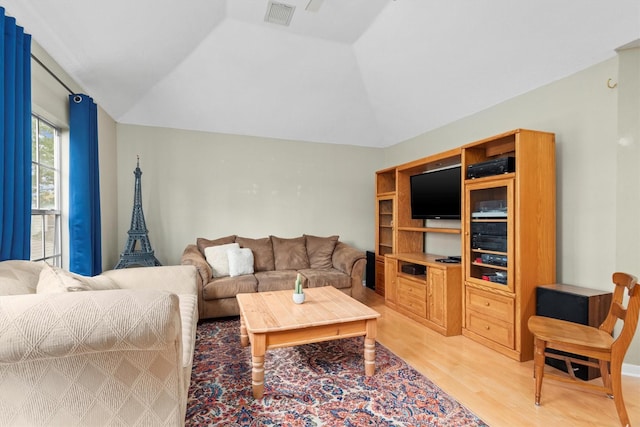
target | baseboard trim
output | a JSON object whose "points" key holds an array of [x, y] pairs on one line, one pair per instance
{"points": [[631, 370]]}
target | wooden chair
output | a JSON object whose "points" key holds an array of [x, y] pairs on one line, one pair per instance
{"points": [[595, 343]]}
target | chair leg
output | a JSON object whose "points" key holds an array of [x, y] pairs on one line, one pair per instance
{"points": [[616, 387], [604, 374], [538, 366]]}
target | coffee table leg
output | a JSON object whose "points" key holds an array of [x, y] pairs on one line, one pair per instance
{"points": [[370, 348], [244, 337], [258, 349]]}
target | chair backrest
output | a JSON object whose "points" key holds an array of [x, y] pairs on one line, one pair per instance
{"points": [[617, 311]]}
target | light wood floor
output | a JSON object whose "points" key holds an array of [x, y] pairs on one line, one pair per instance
{"points": [[497, 389]]}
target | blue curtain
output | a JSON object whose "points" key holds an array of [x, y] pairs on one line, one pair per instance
{"points": [[85, 253], [15, 140]]}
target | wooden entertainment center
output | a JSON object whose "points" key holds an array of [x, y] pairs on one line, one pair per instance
{"points": [[508, 241]]}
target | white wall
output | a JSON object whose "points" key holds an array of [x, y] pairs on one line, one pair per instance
{"points": [[628, 159], [108, 189], [628, 179], [197, 184], [584, 114]]}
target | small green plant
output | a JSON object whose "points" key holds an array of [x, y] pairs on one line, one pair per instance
{"points": [[298, 287]]}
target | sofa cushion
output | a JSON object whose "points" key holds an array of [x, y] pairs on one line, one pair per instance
{"points": [[218, 259], [320, 251], [203, 243], [290, 254], [332, 277], [240, 261], [18, 277], [228, 287], [276, 280], [55, 281], [262, 252]]}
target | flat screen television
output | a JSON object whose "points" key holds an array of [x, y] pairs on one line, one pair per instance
{"points": [[436, 194]]}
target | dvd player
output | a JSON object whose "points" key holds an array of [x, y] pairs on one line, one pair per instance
{"points": [[489, 228], [500, 278], [489, 214], [489, 243], [493, 259], [414, 269]]}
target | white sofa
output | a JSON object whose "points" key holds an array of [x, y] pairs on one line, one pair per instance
{"points": [[118, 353]]}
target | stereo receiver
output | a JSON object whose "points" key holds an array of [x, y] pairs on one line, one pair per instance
{"points": [[492, 167]]}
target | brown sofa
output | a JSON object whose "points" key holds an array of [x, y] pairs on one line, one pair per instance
{"points": [[321, 261]]}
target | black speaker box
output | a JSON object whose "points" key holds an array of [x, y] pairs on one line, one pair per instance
{"points": [[573, 304], [370, 271]]}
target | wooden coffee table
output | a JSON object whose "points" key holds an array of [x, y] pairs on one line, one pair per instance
{"points": [[271, 320]]}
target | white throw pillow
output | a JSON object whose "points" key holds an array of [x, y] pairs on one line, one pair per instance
{"points": [[54, 280], [240, 261], [97, 283], [217, 258]]}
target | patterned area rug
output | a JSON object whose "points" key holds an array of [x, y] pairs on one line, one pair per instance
{"points": [[311, 385]]}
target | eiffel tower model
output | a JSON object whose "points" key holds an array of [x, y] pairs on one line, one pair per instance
{"points": [[137, 250]]}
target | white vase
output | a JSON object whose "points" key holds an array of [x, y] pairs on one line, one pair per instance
{"points": [[298, 298]]}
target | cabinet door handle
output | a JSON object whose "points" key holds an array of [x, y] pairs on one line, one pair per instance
{"points": [[488, 304]]}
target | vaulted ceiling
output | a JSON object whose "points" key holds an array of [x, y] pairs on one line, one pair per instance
{"points": [[358, 72]]}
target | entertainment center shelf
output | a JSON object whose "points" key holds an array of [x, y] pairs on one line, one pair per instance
{"points": [[396, 230], [431, 230], [430, 295], [507, 226]]}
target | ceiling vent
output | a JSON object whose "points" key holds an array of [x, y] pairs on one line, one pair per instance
{"points": [[279, 13]]}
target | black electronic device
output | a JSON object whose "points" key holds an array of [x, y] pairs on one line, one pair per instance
{"points": [[489, 228], [448, 260], [455, 257], [436, 194], [489, 243], [414, 269], [491, 167], [370, 278], [487, 209], [493, 259], [498, 277]]}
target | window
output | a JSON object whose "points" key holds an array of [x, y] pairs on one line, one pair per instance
{"points": [[45, 198]]}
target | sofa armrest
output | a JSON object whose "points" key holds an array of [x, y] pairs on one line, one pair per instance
{"points": [[192, 256], [345, 257], [47, 326], [177, 279]]}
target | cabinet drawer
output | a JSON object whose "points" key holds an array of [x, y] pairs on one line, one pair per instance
{"points": [[491, 328], [412, 296], [496, 306]]}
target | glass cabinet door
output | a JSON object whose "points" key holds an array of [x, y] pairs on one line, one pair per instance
{"points": [[489, 234], [384, 210]]}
